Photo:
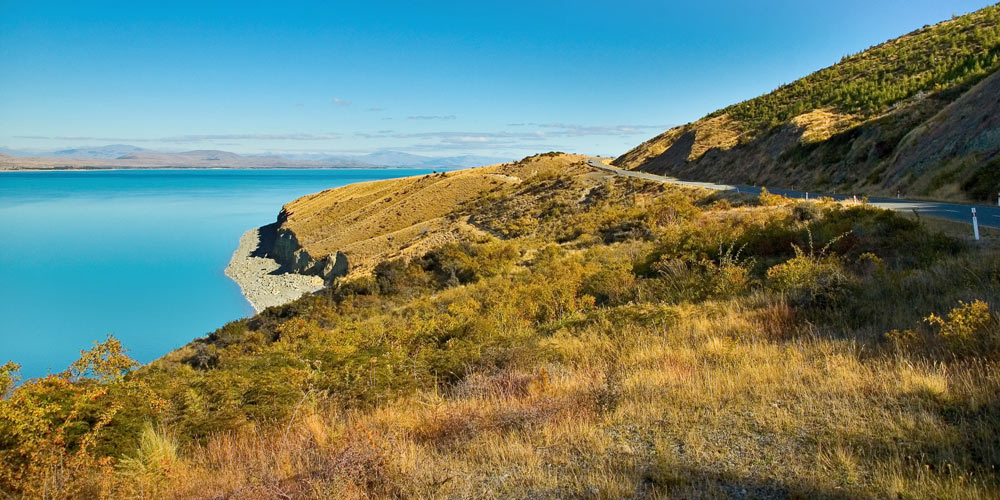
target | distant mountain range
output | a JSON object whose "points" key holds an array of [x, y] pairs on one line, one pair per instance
{"points": [[109, 151], [127, 156]]}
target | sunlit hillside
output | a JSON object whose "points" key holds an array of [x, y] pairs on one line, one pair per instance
{"points": [[917, 115], [373, 221], [588, 336]]}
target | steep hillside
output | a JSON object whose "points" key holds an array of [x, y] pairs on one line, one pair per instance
{"points": [[916, 114]]}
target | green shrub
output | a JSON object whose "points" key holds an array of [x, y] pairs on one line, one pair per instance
{"points": [[696, 279], [611, 285], [451, 264], [810, 280], [767, 199], [968, 328]]}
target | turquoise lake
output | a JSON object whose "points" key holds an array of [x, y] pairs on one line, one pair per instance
{"points": [[138, 254]]}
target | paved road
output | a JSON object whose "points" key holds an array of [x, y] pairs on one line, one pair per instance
{"points": [[988, 215]]}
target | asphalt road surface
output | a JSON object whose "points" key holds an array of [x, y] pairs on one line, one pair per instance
{"points": [[987, 215]]}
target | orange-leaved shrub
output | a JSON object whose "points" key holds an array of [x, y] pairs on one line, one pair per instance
{"points": [[56, 434]]}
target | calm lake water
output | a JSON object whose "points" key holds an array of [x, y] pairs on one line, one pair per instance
{"points": [[137, 254]]}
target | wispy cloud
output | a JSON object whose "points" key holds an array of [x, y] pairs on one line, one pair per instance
{"points": [[458, 140], [473, 143], [577, 130], [80, 138], [431, 117], [340, 102], [543, 131], [249, 137], [450, 135], [193, 137], [374, 109]]}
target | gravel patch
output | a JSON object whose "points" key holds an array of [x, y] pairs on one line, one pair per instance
{"points": [[260, 278]]}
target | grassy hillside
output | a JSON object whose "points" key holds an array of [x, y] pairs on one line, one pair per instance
{"points": [[845, 127], [371, 221], [594, 337]]}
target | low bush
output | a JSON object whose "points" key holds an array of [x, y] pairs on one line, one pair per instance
{"points": [[969, 329], [58, 433], [811, 281]]}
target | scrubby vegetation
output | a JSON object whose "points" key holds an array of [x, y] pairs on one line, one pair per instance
{"points": [[915, 116], [954, 53], [597, 337]]}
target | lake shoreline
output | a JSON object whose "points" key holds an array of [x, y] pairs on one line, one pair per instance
{"points": [[261, 279], [149, 245]]}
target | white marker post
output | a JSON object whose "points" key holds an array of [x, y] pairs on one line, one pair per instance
{"points": [[807, 195], [975, 224]]}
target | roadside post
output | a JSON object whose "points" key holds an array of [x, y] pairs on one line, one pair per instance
{"points": [[975, 224], [807, 195]]}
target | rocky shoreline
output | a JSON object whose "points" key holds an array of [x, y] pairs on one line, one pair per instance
{"points": [[262, 280]]}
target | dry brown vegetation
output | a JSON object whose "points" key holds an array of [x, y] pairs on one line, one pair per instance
{"points": [[379, 220], [592, 337]]}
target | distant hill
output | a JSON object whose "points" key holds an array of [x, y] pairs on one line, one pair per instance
{"points": [[188, 159], [111, 151], [919, 114], [125, 156]]}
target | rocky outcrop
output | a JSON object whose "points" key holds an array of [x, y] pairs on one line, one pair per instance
{"points": [[264, 281], [348, 230], [280, 244]]}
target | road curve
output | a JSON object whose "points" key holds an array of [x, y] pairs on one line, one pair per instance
{"points": [[988, 216]]}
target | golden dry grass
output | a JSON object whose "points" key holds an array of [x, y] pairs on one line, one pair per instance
{"points": [[711, 132], [378, 220], [715, 405], [718, 132], [820, 124]]}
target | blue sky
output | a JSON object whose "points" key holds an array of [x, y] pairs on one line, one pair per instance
{"points": [[497, 78]]}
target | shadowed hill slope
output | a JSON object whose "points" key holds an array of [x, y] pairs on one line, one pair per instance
{"points": [[916, 114]]}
